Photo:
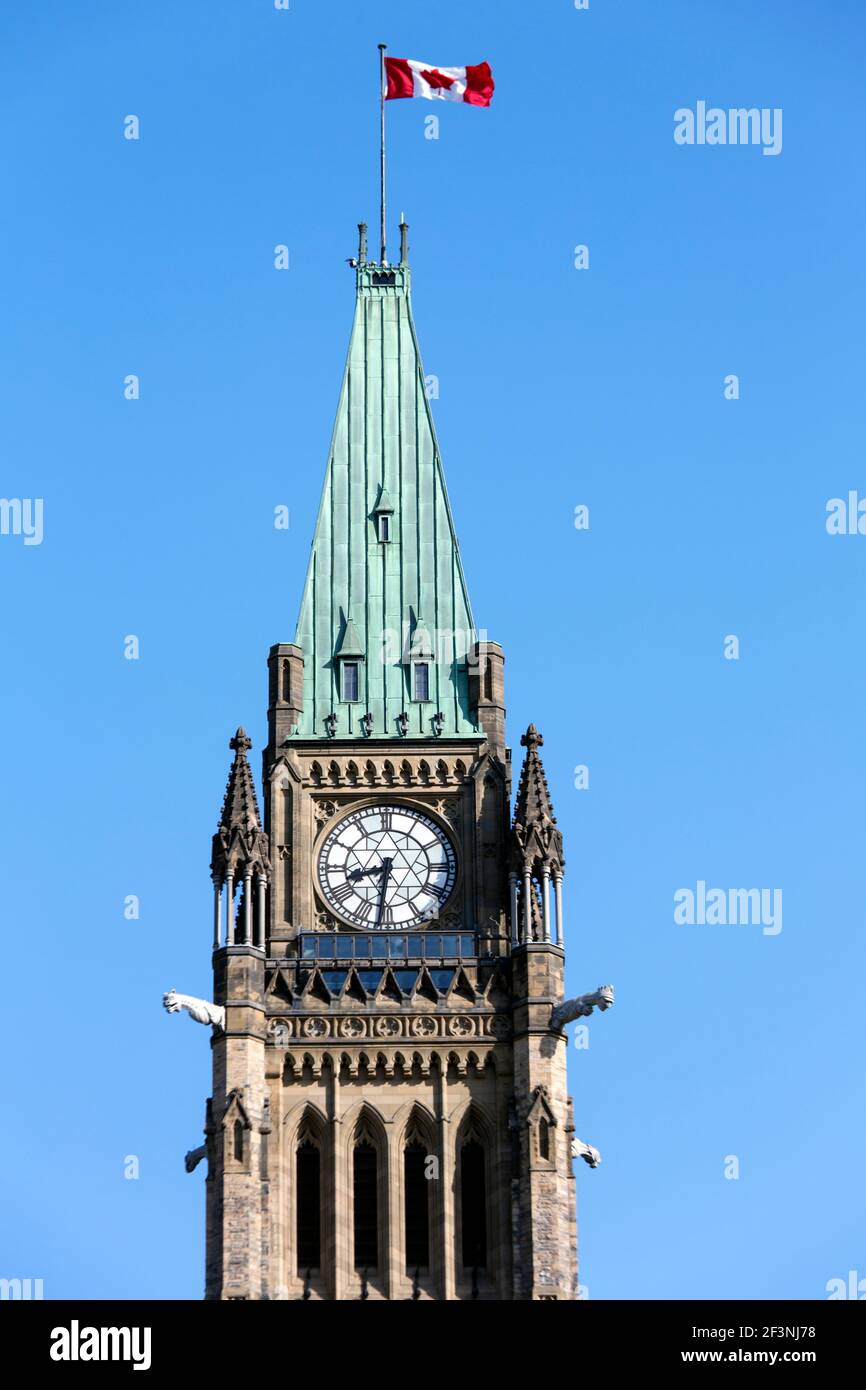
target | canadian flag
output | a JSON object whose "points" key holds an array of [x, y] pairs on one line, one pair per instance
{"points": [[409, 78]]}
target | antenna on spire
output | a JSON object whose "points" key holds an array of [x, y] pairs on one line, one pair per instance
{"points": [[382, 90]]}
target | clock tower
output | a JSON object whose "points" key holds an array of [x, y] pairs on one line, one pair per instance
{"points": [[390, 1117]]}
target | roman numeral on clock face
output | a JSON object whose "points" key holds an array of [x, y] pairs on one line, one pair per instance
{"points": [[344, 891]]}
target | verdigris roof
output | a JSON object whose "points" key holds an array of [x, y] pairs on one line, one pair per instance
{"points": [[384, 449]]}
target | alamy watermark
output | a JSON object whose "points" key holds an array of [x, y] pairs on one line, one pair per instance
{"points": [[22, 516], [721, 907], [738, 125], [77, 1343]]}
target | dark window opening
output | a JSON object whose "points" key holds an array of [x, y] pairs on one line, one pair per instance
{"points": [[544, 1140], [384, 526], [239, 1141], [473, 1203], [417, 1207], [287, 683], [488, 680], [309, 1207], [240, 917], [366, 1202], [350, 681], [422, 680]]}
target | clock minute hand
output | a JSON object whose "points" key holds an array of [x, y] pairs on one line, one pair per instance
{"points": [[386, 872]]}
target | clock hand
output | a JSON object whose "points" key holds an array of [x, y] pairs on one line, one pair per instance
{"points": [[386, 871], [359, 873]]}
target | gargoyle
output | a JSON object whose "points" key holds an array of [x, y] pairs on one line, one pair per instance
{"points": [[199, 1009], [194, 1158], [581, 1007], [586, 1152]]}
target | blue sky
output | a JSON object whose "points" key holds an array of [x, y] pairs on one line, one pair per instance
{"points": [[558, 387]]}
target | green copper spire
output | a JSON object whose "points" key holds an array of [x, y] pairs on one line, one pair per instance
{"points": [[385, 590]]}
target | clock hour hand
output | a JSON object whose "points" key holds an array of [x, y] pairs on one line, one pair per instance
{"points": [[361, 873]]}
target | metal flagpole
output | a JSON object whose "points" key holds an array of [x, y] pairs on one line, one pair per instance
{"points": [[382, 47]]}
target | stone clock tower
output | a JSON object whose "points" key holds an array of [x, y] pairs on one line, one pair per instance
{"points": [[389, 1118]]}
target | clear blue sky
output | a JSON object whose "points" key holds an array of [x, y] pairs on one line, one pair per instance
{"points": [[557, 388]]}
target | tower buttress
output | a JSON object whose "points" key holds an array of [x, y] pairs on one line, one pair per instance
{"points": [[543, 1215], [238, 1118], [487, 692]]}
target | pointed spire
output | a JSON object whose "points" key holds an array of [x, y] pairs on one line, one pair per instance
{"points": [[384, 461], [535, 839], [240, 840]]}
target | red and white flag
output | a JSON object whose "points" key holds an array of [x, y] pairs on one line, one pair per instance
{"points": [[409, 78]]}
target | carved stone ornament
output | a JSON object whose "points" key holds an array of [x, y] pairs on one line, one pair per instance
{"points": [[586, 1152], [461, 1027], [387, 1027], [315, 1028], [352, 1028], [423, 1027], [201, 1010], [324, 811], [192, 1159], [280, 1031], [582, 1006], [449, 809]]}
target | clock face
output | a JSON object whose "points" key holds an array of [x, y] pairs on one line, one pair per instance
{"points": [[387, 867]]}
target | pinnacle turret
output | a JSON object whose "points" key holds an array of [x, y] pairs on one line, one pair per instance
{"points": [[536, 841], [535, 851], [240, 846]]}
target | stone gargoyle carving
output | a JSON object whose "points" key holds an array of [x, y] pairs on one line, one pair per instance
{"points": [[194, 1158], [199, 1009], [581, 1007], [586, 1152]]}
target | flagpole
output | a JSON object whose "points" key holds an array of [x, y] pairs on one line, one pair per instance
{"points": [[382, 47]]}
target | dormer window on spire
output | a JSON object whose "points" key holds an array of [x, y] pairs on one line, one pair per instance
{"points": [[420, 663], [348, 658], [383, 514]]}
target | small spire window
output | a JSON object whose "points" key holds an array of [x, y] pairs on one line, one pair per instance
{"points": [[382, 515], [420, 680], [350, 682]]}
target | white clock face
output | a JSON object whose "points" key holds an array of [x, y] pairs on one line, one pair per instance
{"points": [[387, 867]]}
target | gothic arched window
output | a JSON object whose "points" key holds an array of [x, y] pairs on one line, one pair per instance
{"points": [[473, 1205], [287, 683], [416, 1205], [238, 1133], [308, 1166], [365, 1189]]}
